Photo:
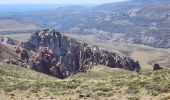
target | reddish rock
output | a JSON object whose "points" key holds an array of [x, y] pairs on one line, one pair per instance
{"points": [[60, 56], [22, 54]]}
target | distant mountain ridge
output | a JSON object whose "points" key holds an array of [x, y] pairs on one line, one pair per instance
{"points": [[23, 8], [135, 21], [143, 1]]}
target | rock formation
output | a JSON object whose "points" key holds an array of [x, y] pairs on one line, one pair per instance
{"points": [[14, 62], [22, 54], [57, 55], [156, 67], [7, 40]]}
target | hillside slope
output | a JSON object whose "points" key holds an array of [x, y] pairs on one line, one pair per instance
{"points": [[18, 83], [5, 54]]}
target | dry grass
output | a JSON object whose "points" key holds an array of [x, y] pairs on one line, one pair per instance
{"points": [[23, 73], [98, 83], [4, 54]]}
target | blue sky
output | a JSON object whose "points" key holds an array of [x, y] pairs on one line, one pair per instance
{"points": [[57, 1]]}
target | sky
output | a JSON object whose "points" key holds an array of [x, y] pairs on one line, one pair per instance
{"points": [[57, 1]]}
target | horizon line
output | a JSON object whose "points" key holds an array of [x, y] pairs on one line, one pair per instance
{"points": [[58, 3]]}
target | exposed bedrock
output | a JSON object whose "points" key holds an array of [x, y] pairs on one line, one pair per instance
{"points": [[57, 55]]}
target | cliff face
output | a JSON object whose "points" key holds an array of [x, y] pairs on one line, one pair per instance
{"points": [[57, 55]]}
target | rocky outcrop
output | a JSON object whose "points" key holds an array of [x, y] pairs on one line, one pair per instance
{"points": [[57, 55], [22, 54], [157, 67], [14, 62], [7, 40]]}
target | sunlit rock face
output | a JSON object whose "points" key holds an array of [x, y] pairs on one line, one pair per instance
{"points": [[7, 40], [45, 38], [57, 55]]}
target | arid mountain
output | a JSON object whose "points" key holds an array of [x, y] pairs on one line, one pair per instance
{"points": [[149, 1], [135, 21], [94, 57], [57, 55]]}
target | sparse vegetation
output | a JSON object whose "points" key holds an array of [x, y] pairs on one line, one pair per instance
{"points": [[133, 98], [115, 83], [4, 54], [117, 27]]}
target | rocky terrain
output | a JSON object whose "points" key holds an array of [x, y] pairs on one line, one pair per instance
{"points": [[134, 21], [95, 56], [7, 40], [57, 55]]}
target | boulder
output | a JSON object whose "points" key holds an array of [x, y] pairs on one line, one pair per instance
{"points": [[157, 67]]}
